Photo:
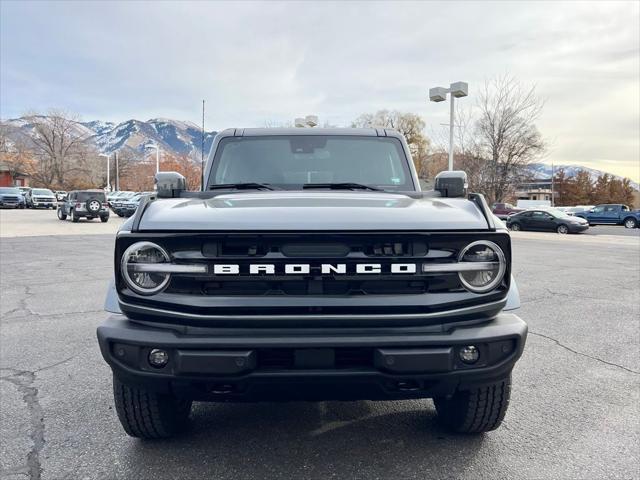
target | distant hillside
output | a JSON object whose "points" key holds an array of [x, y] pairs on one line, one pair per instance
{"points": [[181, 138], [543, 170]]}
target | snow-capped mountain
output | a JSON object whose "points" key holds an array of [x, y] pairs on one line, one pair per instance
{"points": [[543, 170], [177, 137]]}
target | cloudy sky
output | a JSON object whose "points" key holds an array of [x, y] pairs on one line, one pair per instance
{"points": [[270, 62]]}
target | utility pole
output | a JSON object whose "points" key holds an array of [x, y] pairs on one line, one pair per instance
{"points": [[117, 172], [553, 180], [108, 169], [202, 152]]}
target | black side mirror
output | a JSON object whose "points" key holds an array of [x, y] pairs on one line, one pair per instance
{"points": [[170, 184], [452, 183]]}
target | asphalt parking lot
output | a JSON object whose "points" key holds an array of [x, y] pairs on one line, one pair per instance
{"points": [[575, 410]]}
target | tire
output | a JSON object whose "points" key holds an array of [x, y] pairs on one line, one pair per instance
{"points": [[562, 229], [515, 227], [149, 415], [630, 223], [74, 218], [93, 205], [477, 410], [61, 215], [104, 219]]}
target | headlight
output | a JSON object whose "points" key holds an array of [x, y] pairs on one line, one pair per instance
{"points": [[135, 265], [489, 269]]}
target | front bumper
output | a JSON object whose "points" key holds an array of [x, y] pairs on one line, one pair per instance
{"points": [[577, 228], [311, 364]]}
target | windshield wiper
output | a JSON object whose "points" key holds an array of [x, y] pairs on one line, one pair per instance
{"points": [[342, 186], [241, 186]]}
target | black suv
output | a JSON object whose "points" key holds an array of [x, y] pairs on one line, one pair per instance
{"points": [[84, 204], [311, 267]]}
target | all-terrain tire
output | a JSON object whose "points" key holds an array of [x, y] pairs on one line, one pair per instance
{"points": [[149, 415], [74, 217], [475, 411]]}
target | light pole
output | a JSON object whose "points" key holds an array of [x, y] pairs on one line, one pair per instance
{"points": [[439, 94], [108, 170], [157, 155]]}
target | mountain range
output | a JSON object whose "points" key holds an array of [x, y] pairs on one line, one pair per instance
{"points": [[544, 170], [185, 138], [173, 136]]}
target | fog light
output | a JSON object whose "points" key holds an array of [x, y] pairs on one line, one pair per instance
{"points": [[158, 358], [469, 354]]}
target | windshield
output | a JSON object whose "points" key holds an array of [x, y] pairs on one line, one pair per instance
{"points": [[42, 191], [290, 162], [558, 213], [12, 191], [83, 196]]}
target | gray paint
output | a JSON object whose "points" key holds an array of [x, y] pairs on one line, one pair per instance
{"points": [[312, 211]]}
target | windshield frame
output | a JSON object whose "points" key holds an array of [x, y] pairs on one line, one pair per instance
{"points": [[411, 183]]}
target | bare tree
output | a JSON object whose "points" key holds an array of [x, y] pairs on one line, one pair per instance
{"points": [[60, 146], [14, 151], [506, 136]]}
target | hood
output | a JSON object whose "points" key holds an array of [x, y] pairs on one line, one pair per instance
{"points": [[308, 211]]}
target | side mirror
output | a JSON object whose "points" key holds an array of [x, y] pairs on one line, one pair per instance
{"points": [[592, 210], [452, 183], [170, 184]]}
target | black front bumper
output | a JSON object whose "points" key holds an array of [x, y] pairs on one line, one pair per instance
{"points": [[321, 364]]}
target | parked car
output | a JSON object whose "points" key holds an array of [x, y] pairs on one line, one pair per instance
{"points": [[11, 197], [117, 203], [549, 219], [60, 195], [24, 191], [504, 210], [87, 204], [611, 214], [576, 209], [127, 207], [119, 196], [41, 197]]}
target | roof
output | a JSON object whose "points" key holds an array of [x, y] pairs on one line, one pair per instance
{"points": [[263, 132]]}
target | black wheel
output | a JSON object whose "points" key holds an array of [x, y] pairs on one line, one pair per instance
{"points": [[515, 227], [475, 411], [562, 229], [61, 215], [146, 414], [104, 219], [74, 217], [630, 223]]}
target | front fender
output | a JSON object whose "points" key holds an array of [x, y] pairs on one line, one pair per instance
{"points": [[513, 296], [111, 302]]}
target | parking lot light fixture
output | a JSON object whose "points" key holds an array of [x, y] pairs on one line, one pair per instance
{"points": [[439, 94], [108, 170], [152, 145]]}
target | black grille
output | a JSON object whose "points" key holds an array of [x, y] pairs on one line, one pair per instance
{"points": [[313, 293]]}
